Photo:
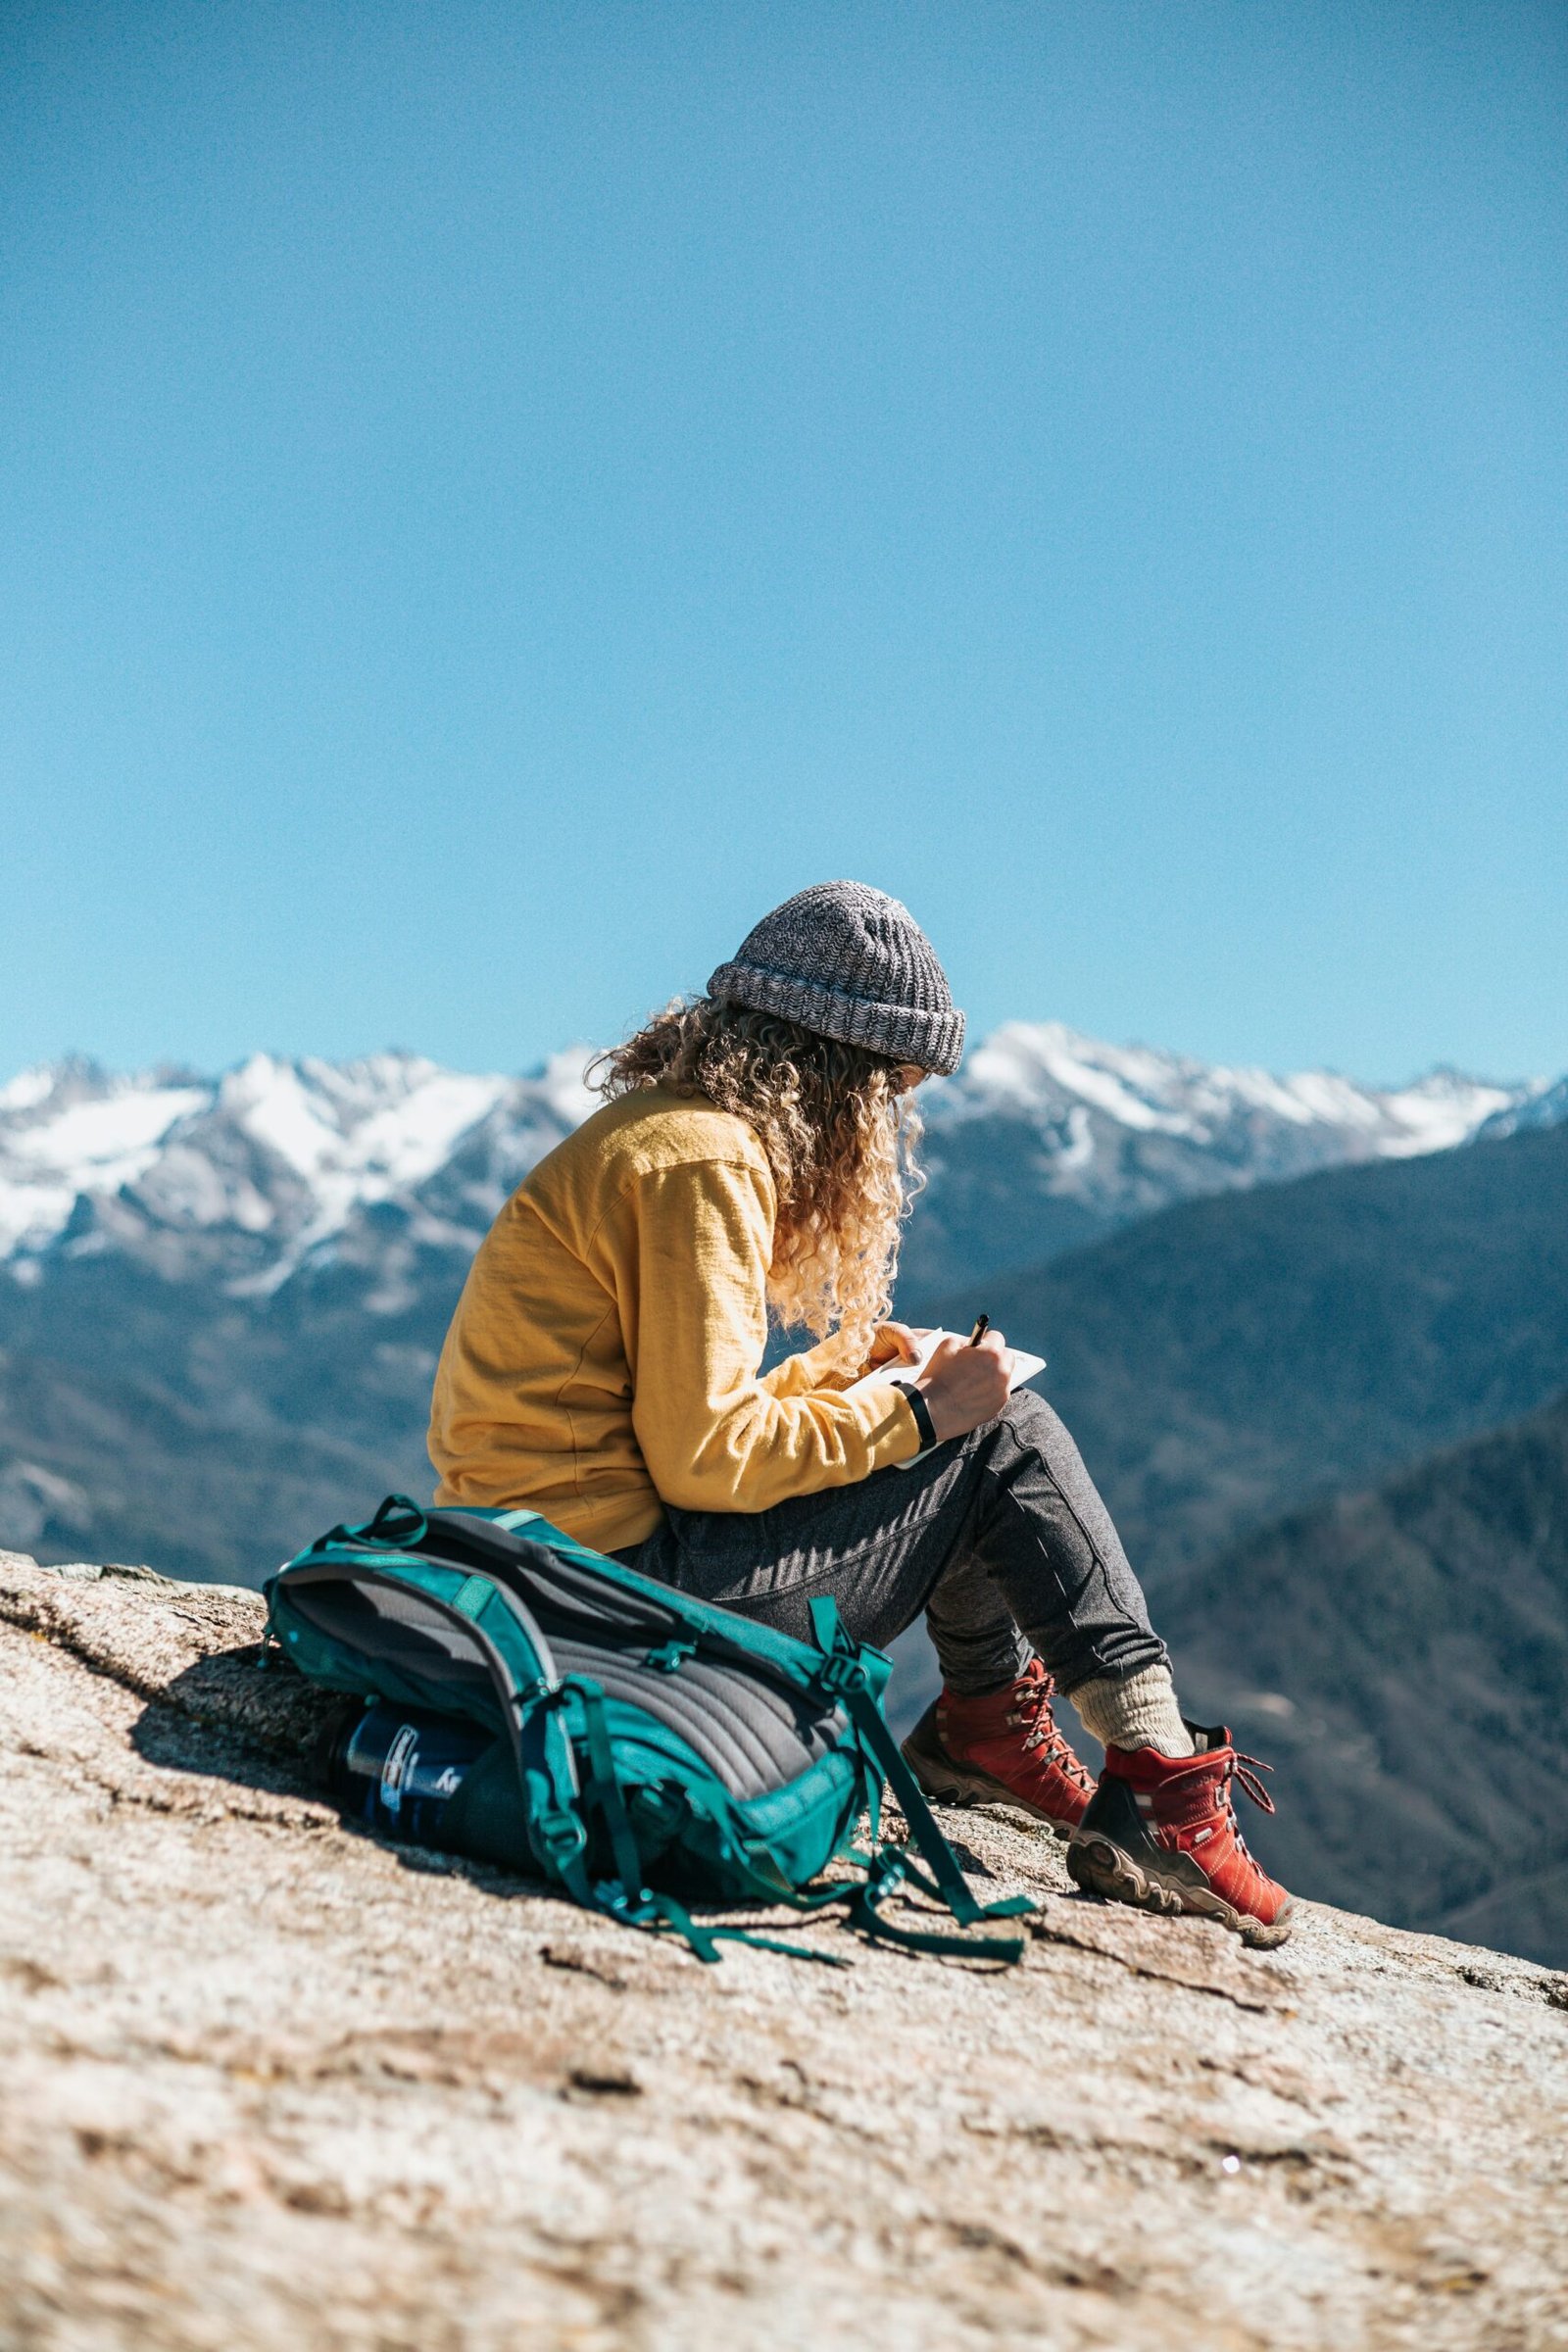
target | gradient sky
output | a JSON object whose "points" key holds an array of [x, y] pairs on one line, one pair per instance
{"points": [[495, 496]]}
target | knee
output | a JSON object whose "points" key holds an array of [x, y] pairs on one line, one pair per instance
{"points": [[1029, 1426], [1029, 1417]]}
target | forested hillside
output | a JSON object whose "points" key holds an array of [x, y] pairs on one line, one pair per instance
{"points": [[1233, 1357], [1402, 1656]]}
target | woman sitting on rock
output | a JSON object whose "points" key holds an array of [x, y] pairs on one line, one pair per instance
{"points": [[603, 1368]]}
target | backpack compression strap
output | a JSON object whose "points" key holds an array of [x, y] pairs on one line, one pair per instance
{"points": [[560, 1837]]}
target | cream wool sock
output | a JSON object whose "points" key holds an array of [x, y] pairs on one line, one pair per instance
{"points": [[1138, 1712]]}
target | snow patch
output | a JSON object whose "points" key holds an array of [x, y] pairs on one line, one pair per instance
{"points": [[92, 1145], [105, 1137], [27, 1089], [1440, 1111]]}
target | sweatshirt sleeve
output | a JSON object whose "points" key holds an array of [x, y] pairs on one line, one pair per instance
{"points": [[686, 1251], [815, 1367]]}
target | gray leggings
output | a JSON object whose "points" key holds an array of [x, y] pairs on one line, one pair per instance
{"points": [[1001, 1536]]}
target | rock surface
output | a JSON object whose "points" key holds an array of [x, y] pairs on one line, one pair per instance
{"points": [[267, 2082]]}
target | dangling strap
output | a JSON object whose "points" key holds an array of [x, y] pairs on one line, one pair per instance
{"points": [[844, 1675], [704, 1940], [551, 1794], [884, 1877]]}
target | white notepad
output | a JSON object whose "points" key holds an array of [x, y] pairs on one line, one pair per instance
{"points": [[1024, 1367]]}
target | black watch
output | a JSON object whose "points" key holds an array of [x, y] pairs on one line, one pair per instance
{"points": [[922, 1411]]}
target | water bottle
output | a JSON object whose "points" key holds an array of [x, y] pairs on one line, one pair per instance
{"points": [[398, 1770]]}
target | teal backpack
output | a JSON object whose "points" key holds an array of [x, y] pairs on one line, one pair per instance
{"points": [[646, 1753]]}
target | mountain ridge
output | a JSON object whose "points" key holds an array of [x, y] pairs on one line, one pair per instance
{"points": [[1046, 1140]]}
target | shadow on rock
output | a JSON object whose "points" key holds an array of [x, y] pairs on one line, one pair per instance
{"points": [[228, 1704], [227, 1717]]}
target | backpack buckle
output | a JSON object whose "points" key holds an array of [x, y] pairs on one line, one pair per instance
{"points": [[670, 1656], [562, 1836], [839, 1668]]}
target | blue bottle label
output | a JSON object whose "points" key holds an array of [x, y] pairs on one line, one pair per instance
{"points": [[400, 1770]]}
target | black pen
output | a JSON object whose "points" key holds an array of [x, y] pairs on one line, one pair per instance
{"points": [[981, 1327]]}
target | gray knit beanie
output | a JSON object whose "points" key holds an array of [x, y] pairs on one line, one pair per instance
{"points": [[850, 963]]}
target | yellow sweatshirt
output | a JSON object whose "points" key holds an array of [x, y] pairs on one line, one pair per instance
{"points": [[603, 1361]]}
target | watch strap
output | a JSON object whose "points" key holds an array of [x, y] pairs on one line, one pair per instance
{"points": [[922, 1411]]}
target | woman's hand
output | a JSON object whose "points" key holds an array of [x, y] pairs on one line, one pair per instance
{"points": [[966, 1385], [894, 1343]]}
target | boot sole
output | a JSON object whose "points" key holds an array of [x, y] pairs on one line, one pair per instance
{"points": [[948, 1783], [1098, 1867]]}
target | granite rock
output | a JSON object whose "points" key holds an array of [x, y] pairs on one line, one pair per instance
{"points": [[267, 2082]]}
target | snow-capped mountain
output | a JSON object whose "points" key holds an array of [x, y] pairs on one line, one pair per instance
{"points": [[1042, 1067], [267, 1164], [221, 1298], [1045, 1138], [1547, 1107]]}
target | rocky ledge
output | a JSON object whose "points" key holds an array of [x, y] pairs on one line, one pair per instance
{"points": [[267, 2082]]}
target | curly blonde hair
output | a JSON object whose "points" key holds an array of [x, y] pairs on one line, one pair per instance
{"points": [[840, 1135]]}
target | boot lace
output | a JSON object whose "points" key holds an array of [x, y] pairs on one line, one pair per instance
{"points": [[1042, 1729], [1245, 1770]]}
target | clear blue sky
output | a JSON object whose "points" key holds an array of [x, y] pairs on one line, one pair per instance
{"points": [[495, 496]]}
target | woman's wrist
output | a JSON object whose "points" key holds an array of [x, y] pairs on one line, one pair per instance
{"points": [[921, 1410], [943, 1420]]}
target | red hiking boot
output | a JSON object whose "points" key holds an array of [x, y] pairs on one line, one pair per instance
{"points": [[1001, 1748], [1162, 1832]]}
